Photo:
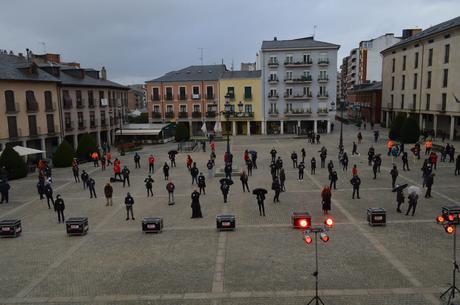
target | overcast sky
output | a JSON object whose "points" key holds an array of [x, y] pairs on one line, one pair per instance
{"points": [[137, 40]]}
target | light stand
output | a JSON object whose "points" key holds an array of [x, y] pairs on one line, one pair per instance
{"points": [[452, 289], [341, 125], [316, 298]]}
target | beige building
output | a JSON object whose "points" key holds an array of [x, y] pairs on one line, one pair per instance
{"points": [[421, 77], [29, 100]]}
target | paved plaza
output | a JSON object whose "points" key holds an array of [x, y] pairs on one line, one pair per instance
{"points": [[264, 261]]}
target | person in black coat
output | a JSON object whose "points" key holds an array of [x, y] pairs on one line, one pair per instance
{"points": [[41, 188], [294, 159], [125, 173], [76, 174], [303, 154], [356, 182], [333, 177], [260, 203], [202, 183], [405, 160], [244, 181], [224, 187], [345, 161], [49, 195], [399, 200], [375, 167], [84, 178], [228, 170], [273, 169], [170, 188], [149, 185], [166, 171], [254, 159], [429, 183], [330, 167], [276, 186], [313, 166], [412, 199], [355, 149], [457, 165], [196, 207], [91, 185], [249, 166], [282, 176], [394, 174], [194, 172], [370, 155], [137, 160], [4, 190], [323, 156], [129, 202], [59, 208], [273, 154], [301, 169]]}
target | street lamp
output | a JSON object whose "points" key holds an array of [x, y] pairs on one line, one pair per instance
{"points": [[228, 111], [341, 103]]}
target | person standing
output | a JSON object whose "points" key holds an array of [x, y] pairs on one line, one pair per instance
{"points": [[91, 185], [360, 137], [260, 203], [333, 177], [151, 164], [394, 174], [189, 162], [273, 154], [108, 157], [95, 158], [303, 154], [224, 187], [330, 167], [301, 169], [49, 195], [75, 171], [355, 149], [117, 169], [210, 166], [279, 165], [84, 178], [137, 160], [294, 159], [202, 183], [323, 156], [276, 186], [457, 165], [282, 180], [326, 198], [129, 202], [405, 160], [345, 162], [103, 162], [354, 170], [125, 172], [244, 181], [228, 170], [149, 185], [370, 155], [412, 199], [166, 171], [194, 173], [318, 137], [41, 188], [196, 207], [356, 182], [399, 200], [4, 191], [254, 159], [313, 166], [172, 158], [376, 136], [249, 166], [59, 208], [108, 192], [170, 188], [429, 183]]}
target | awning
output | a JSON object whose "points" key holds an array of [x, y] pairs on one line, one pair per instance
{"points": [[24, 151], [138, 132]]}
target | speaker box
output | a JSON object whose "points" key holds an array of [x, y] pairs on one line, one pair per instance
{"points": [[77, 226], [225, 222], [152, 224], [10, 228]]}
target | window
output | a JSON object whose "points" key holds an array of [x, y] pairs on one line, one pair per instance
{"points": [[307, 58], [289, 107], [273, 93], [273, 76], [428, 80], [50, 123], [445, 77], [81, 122], [392, 83], [430, 57], [404, 63], [288, 91], [403, 82], [12, 127], [183, 108], [231, 92], [322, 91], [446, 53], [306, 91], [444, 102], [101, 96], [273, 60], [182, 93], [195, 92], [102, 118], [169, 108], [414, 101], [156, 94], [428, 100], [91, 98], [78, 98], [288, 75], [196, 108], [247, 93], [67, 121], [393, 65], [416, 60], [248, 108], [169, 94], [92, 119], [402, 101], [273, 109], [156, 109], [210, 92], [289, 59], [31, 102], [48, 101], [307, 73], [9, 99], [323, 74], [32, 125], [415, 80]]}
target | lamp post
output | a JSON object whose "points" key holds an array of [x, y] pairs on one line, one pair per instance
{"points": [[341, 124], [227, 113]]}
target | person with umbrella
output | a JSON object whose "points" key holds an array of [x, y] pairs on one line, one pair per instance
{"points": [[108, 192], [405, 160], [59, 208], [370, 155], [273, 153], [301, 169], [394, 174], [345, 162], [249, 166], [399, 196], [194, 172], [254, 158], [137, 160], [294, 159], [313, 166], [129, 202], [414, 192], [326, 198], [244, 181], [196, 207], [149, 185], [225, 188], [170, 188], [355, 182], [429, 184], [210, 166], [260, 195], [172, 157], [166, 171], [202, 183], [276, 186]]}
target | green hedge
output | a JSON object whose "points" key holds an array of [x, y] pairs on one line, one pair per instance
{"points": [[14, 163], [86, 146], [64, 155], [396, 126], [182, 132], [410, 132]]}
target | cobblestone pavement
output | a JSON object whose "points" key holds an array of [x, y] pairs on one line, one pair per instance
{"points": [[264, 261]]}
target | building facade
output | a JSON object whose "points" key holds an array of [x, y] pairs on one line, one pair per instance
{"points": [[189, 95], [29, 105], [365, 102], [299, 85], [243, 91], [421, 78], [136, 98]]}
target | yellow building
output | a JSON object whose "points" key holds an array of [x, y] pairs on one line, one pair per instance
{"points": [[243, 91]]}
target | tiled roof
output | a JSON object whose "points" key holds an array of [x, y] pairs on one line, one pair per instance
{"points": [[301, 43], [241, 74], [13, 67], [87, 81], [439, 28], [193, 73], [367, 87]]}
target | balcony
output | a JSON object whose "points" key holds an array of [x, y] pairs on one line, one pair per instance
{"points": [[155, 98], [169, 114], [182, 97], [273, 97], [323, 79], [156, 115], [298, 112], [323, 111], [273, 112], [183, 114], [298, 96], [230, 96], [303, 63], [32, 107], [323, 61], [12, 108], [301, 80], [196, 114], [273, 80], [210, 96], [211, 114], [15, 133], [82, 124], [323, 95], [168, 97], [195, 96], [68, 126], [273, 64]]}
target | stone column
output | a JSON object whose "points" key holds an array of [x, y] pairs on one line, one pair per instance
{"points": [[420, 120], [315, 126], [281, 127], [98, 135], [387, 119], [234, 128], [75, 141], [298, 127], [264, 127], [248, 127], [328, 126], [452, 127], [435, 124], [43, 146]]}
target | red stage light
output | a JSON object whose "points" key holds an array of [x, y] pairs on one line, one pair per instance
{"points": [[451, 217], [308, 240], [303, 223], [329, 222], [324, 237], [440, 219], [450, 229]]}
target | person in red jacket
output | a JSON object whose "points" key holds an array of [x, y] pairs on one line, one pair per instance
{"points": [[213, 146], [433, 159], [246, 156], [354, 170], [189, 162], [151, 164], [117, 169]]}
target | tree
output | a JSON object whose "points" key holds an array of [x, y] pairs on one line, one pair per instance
{"points": [[396, 126], [86, 146], [14, 163], [182, 132], [64, 155], [410, 132], [142, 119]]}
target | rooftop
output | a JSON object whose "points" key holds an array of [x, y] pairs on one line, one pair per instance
{"points": [[300, 43], [193, 73], [13, 67], [367, 87], [241, 74]]}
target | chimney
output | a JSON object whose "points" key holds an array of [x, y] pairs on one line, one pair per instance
{"points": [[409, 32], [21, 55], [103, 73], [275, 39]]}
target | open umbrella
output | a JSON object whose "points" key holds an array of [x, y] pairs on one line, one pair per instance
{"points": [[226, 180], [173, 152], [259, 190], [399, 187], [414, 189]]}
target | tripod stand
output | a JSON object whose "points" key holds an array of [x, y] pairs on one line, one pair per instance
{"points": [[316, 298], [452, 289]]}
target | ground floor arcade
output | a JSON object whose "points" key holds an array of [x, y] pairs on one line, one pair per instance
{"points": [[298, 126]]}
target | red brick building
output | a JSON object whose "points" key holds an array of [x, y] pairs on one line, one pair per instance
{"points": [[365, 102]]}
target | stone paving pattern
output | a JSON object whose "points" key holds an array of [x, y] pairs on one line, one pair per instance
{"points": [[263, 262]]}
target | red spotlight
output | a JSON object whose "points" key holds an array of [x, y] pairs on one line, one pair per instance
{"points": [[303, 223], [450, 229], [308, 240], [324, 237], [329, 222], [451, 217], [440, 219]]}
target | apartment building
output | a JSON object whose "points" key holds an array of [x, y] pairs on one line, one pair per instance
{"points": [[343, 79], [29, 104], [189, 95], [299, 85], [421, 78], [136, 98], [242, 89]]}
